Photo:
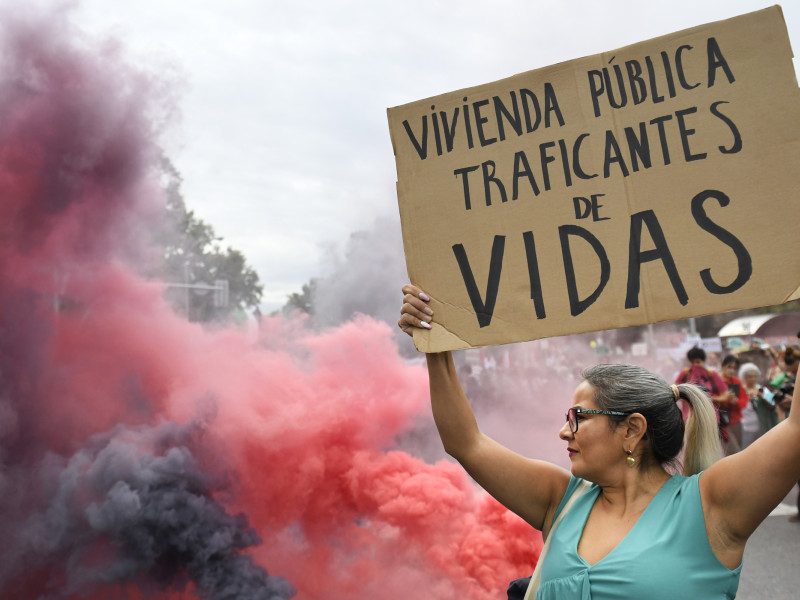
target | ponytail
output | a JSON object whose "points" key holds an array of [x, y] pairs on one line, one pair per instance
{"points": [[702, 447]]}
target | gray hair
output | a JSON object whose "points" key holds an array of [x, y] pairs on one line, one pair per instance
{"points": [[633, 389], [749, 368]]}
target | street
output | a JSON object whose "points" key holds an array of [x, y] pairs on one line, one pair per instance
{"points": [[772, 557]]}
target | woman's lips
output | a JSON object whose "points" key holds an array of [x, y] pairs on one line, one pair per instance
{"points": [[571, 452]]}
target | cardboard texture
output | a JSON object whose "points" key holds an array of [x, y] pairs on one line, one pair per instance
{"points": [[654, 182]]}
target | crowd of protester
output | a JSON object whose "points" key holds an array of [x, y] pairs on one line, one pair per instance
{"points": [[749, 400]]}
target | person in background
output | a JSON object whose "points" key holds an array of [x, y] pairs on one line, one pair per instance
{"points": [[709, 380], [699, 374], [783, 383], [759, 415], [761, 355], [731, 411]]}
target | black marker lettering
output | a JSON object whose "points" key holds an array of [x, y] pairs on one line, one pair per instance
{"points": [[668, 73], [662, 134], [490, 178], [422, 149], [679, 65], [685, 133], [638, 147], [613, 155], [449, 130], [467, 124], [651, 72], [465, 172], [737, 137], [638, 86], [545, 160], [551, 105], [533, 274], [576, 305], [513, 119], [743, 258], [661, 252], [483, 310], [576, 158], [596, 89], [717, 61], [521, 160], [480, 120], [623, 96], [527, 95]]}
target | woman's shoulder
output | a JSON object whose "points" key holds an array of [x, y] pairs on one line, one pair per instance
{"points": [[576, 486], [685, 481], [677, 490]]}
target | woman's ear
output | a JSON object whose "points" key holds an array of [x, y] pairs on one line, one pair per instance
{"points": [[635, 427]]}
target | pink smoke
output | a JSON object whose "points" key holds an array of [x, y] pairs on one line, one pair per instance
{"points": [[295, 430]]}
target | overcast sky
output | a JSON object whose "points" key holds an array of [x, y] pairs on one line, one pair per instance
{"points": [[283, 141]]}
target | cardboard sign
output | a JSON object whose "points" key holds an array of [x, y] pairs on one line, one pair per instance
{"points": [[659, 181]]}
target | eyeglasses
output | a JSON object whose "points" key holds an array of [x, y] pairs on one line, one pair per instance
{"points": [[572, 415]]}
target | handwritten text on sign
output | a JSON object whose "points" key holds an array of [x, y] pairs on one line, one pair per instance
{"points": [[573, 197]]}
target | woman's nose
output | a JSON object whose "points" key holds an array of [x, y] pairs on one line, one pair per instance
{"points": [[566, 432]]}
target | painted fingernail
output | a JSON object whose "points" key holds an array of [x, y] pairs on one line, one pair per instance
{"points": [[425, 296], [426, 325], [428, 310]]}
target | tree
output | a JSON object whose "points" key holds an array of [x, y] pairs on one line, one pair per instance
{"points": [[192, 254], [302, 301]]}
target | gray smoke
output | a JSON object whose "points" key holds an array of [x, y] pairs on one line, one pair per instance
{"points": [[134, 502], [364, 278]]}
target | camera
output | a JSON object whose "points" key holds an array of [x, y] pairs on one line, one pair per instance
{"points": [[786, 389]]}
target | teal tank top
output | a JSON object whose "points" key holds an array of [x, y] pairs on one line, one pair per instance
{"points": [[666, 555]]}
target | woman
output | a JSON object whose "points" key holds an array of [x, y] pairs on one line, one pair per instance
{"points": [[736, 400], [638, 532], [783, 384], [759, 416]]}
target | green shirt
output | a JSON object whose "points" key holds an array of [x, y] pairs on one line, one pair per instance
{"points": [[666, 555]]}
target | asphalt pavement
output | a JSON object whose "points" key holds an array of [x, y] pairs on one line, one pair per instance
{"points": [[772, 557]]}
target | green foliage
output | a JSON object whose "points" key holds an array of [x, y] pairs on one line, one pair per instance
{"points": [[192, 254], [303, 301]]}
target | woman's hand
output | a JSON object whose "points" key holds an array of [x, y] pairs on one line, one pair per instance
{"points": [[415, 311]]}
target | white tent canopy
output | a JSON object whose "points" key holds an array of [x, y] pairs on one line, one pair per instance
{"points": [[781, 324]]}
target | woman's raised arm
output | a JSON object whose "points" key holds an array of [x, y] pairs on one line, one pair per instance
{"points": [[741, 490], [530, 488]]}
